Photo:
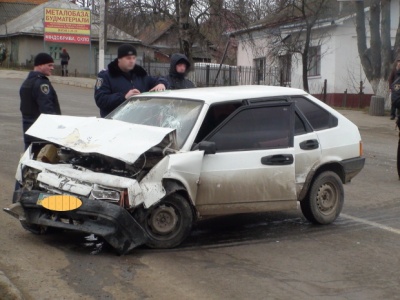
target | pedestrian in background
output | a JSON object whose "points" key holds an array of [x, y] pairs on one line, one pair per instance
{"points": [[64, 56], [38, 95], [392, 77], [179, 67], [122, 80]]}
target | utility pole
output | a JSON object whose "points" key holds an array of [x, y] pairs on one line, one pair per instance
{"points": [[102, 32], [101, 35]]}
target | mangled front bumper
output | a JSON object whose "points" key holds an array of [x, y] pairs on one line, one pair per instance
{"points": [[112, 222]]}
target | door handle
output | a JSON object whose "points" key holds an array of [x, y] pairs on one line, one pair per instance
{"points": [[309, 145], [278, 159]]}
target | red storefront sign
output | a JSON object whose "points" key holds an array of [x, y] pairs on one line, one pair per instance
{"points": [[66, 38]]}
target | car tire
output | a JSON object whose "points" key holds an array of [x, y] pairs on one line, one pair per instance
{"points": [[324, 200], [168, 222]]}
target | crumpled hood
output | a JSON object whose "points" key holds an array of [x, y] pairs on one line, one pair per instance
{"points": [[116, 139]]}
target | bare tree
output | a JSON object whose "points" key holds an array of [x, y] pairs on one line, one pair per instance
{"points": [[293, 29], [378, 58], [185, 39], [201, 21]]}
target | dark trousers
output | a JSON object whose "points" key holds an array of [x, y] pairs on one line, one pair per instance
{"points": [[27, 141], [64, 69], [393, 110]]}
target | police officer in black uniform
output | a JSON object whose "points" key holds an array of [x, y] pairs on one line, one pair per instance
{"points": [[122, 80], [395, 97], [179, 67], [37, 94]]}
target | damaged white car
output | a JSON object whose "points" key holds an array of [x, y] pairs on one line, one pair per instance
{"points": [[161, 161]]}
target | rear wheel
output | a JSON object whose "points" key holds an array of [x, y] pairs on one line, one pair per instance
{"points": [[167, 223], [324, 200]]}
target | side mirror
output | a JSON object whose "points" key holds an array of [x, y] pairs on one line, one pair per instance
{"points": [[207, 147]]}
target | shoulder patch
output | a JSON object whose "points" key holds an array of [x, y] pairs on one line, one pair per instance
{"points": [[45, 88], [99, 82], [396, 87]]}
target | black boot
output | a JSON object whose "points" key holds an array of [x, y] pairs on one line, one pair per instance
{"points": [[62, 73], [66, 73]]}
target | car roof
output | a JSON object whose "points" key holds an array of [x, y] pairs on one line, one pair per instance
{"points": [[228, 93]]}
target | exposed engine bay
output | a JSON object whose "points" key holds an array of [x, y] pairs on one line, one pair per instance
{"points": [[53, 154]]}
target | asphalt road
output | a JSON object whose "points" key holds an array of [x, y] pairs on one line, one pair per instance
{"points": [[261, 256]]}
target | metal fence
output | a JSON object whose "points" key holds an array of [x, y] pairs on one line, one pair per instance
{"points": [[209, 74], [204, 74]]}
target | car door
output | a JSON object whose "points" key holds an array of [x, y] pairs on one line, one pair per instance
{"points": [[307, 150], [253, 168]]}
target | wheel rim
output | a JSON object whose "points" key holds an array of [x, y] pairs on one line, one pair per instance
{"points": [[327, 198], [163, 220]]}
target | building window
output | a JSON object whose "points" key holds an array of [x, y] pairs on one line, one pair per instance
{"points": [[259, 66], [314, 61], [55, 51]]}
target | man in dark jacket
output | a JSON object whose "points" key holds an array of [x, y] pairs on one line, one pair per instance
{"points": [[179, 67], [391, 79], [395, 96], [37, 94], [122, 80]]}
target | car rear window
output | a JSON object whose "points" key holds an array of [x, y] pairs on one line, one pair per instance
{"points": [[318, 117]]}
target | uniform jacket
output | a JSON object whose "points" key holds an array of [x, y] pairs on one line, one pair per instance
{"points": [[395, 88], [37, 97], [177, 80], [113, 84]]}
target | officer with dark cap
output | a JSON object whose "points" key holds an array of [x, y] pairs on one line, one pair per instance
{"points": [[37, 94], [179, 67], [122, 80]]}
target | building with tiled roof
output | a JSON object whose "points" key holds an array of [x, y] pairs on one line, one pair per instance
{"points": [[22, 37]]}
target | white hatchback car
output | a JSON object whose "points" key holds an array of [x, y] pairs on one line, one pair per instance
{"points": [[162, 161]]}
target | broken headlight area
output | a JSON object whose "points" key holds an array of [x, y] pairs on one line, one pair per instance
{"points": [[51, 168], [100, 193], [56, 183]]}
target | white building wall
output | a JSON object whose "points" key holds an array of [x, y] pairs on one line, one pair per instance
{"points": [[348, 70], [251, 47], [340, 63]]}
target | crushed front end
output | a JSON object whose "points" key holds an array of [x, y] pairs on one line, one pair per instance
{"points": [[112, 222], [108, 190]]}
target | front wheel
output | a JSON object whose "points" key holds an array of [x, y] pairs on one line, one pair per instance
{"points": [[324, 200], [168, 222]]}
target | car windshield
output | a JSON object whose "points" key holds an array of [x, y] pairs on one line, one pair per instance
{"points": [[179, 114]]}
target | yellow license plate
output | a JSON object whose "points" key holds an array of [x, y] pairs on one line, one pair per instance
{"points": [[59, 202]]}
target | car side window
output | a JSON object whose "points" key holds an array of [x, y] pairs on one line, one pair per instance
{"points": [[216, 114], [318, 117], [299, 126], [254, 128]]}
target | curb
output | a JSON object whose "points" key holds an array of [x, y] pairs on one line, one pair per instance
{"points": [[74, 81], [8, 291]]}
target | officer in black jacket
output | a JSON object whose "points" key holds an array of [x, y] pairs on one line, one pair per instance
{"points": [[37, 94], [395, 97], [179, 67], [122, 80]]}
